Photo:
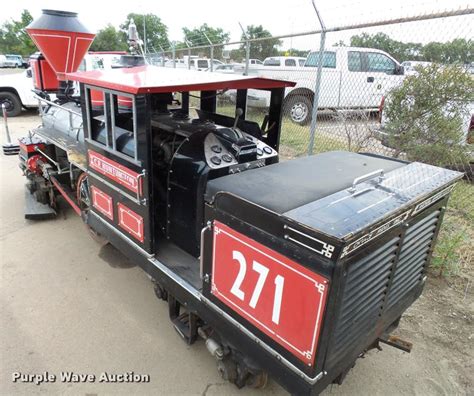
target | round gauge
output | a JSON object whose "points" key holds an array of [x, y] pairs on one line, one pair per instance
{"points": [[267, 149], [227, 158], [216, 160], [216, 148]]}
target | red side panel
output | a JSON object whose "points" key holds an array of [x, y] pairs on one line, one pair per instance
{"points": [[44, 77], [280, 297], [35, 67], [97, 99], [31, 148], [131, 222], [49, 80], [114, 171], [102, 202]]}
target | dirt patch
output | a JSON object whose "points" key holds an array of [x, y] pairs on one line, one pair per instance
{"points": [[443, 319]]}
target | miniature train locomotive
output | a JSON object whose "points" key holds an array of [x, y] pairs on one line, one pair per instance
{"points": [[292, 268]]}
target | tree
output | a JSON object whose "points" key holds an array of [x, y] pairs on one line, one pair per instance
{"points": [[425, 115], [109, 39], [13, 36], [197, 36], [455, 51], [399, 50], [156, 30], [259, 49]]}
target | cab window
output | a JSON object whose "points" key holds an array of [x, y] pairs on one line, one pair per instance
{"points": [[354, 61], [380, 63], [329, 59], [271, 62], [290, 62], [112, 121]]}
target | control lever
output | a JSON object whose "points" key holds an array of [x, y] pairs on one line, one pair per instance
{"points": [[238, 132], [238, 113]]}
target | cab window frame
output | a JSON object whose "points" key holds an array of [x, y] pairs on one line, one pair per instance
{"points": [[110, 112]]}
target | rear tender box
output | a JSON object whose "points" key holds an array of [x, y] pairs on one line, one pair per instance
{"points": [[367, 244]]}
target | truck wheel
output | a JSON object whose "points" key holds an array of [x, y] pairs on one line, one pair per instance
{"points": [[12, 103], [299, 108]]}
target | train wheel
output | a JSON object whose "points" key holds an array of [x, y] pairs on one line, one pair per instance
{"points": [[83, 198], [83, 194]]}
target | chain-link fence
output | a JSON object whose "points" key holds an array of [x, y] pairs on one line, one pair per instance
{"points": [[401, 87]]}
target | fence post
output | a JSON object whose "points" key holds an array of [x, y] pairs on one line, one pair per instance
{"points": [[314, 114], [187, 42], [247, 50], [247, 57], [162, 56], [211, 47], [173, 49]]}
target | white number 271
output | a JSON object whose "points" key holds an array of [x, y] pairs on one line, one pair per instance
{"points": [[262, 277]]}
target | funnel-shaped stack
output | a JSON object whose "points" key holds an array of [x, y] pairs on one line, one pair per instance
{"points": [[62, 39]]}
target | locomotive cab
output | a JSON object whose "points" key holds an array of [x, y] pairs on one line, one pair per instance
{"points": [[152, 154]]}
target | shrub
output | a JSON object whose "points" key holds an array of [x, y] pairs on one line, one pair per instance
{"points": [[425, 114]]}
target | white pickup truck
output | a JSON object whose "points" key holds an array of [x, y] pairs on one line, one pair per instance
{"points": [[16, 88], [193, 63], [352, 78]]}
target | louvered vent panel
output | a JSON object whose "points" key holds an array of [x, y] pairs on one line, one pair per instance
{"points": [[413, 255], [366, 285]]}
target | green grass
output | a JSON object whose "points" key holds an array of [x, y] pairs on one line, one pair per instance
{"points": [[454, 251]]}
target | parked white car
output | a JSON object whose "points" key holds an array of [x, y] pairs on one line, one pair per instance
{"points": [[253, 62], [283, 62], [193, 63], [5, 62], [228, 68], [411, 66], [16, 92], [352, 78], [16, 88], [204, 63]]}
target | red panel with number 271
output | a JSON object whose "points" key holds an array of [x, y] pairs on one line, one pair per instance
{"points": [[280, 297]]}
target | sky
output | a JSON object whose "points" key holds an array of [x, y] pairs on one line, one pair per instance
{"points": [[277, 16]]}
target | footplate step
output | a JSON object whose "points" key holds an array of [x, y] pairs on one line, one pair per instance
{"points": [[35, 210]]}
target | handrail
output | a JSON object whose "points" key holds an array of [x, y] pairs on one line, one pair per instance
{"points": [[56, 105]]}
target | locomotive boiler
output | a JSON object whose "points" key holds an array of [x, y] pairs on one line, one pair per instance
{"points": [[292, 269]]}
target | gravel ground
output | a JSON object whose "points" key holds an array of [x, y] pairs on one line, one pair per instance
{"points": [[69, 305]]}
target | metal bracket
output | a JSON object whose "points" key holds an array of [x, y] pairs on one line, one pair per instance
{"points": [[396, 342], [142, 201], [377, 173], [201, 257]]}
